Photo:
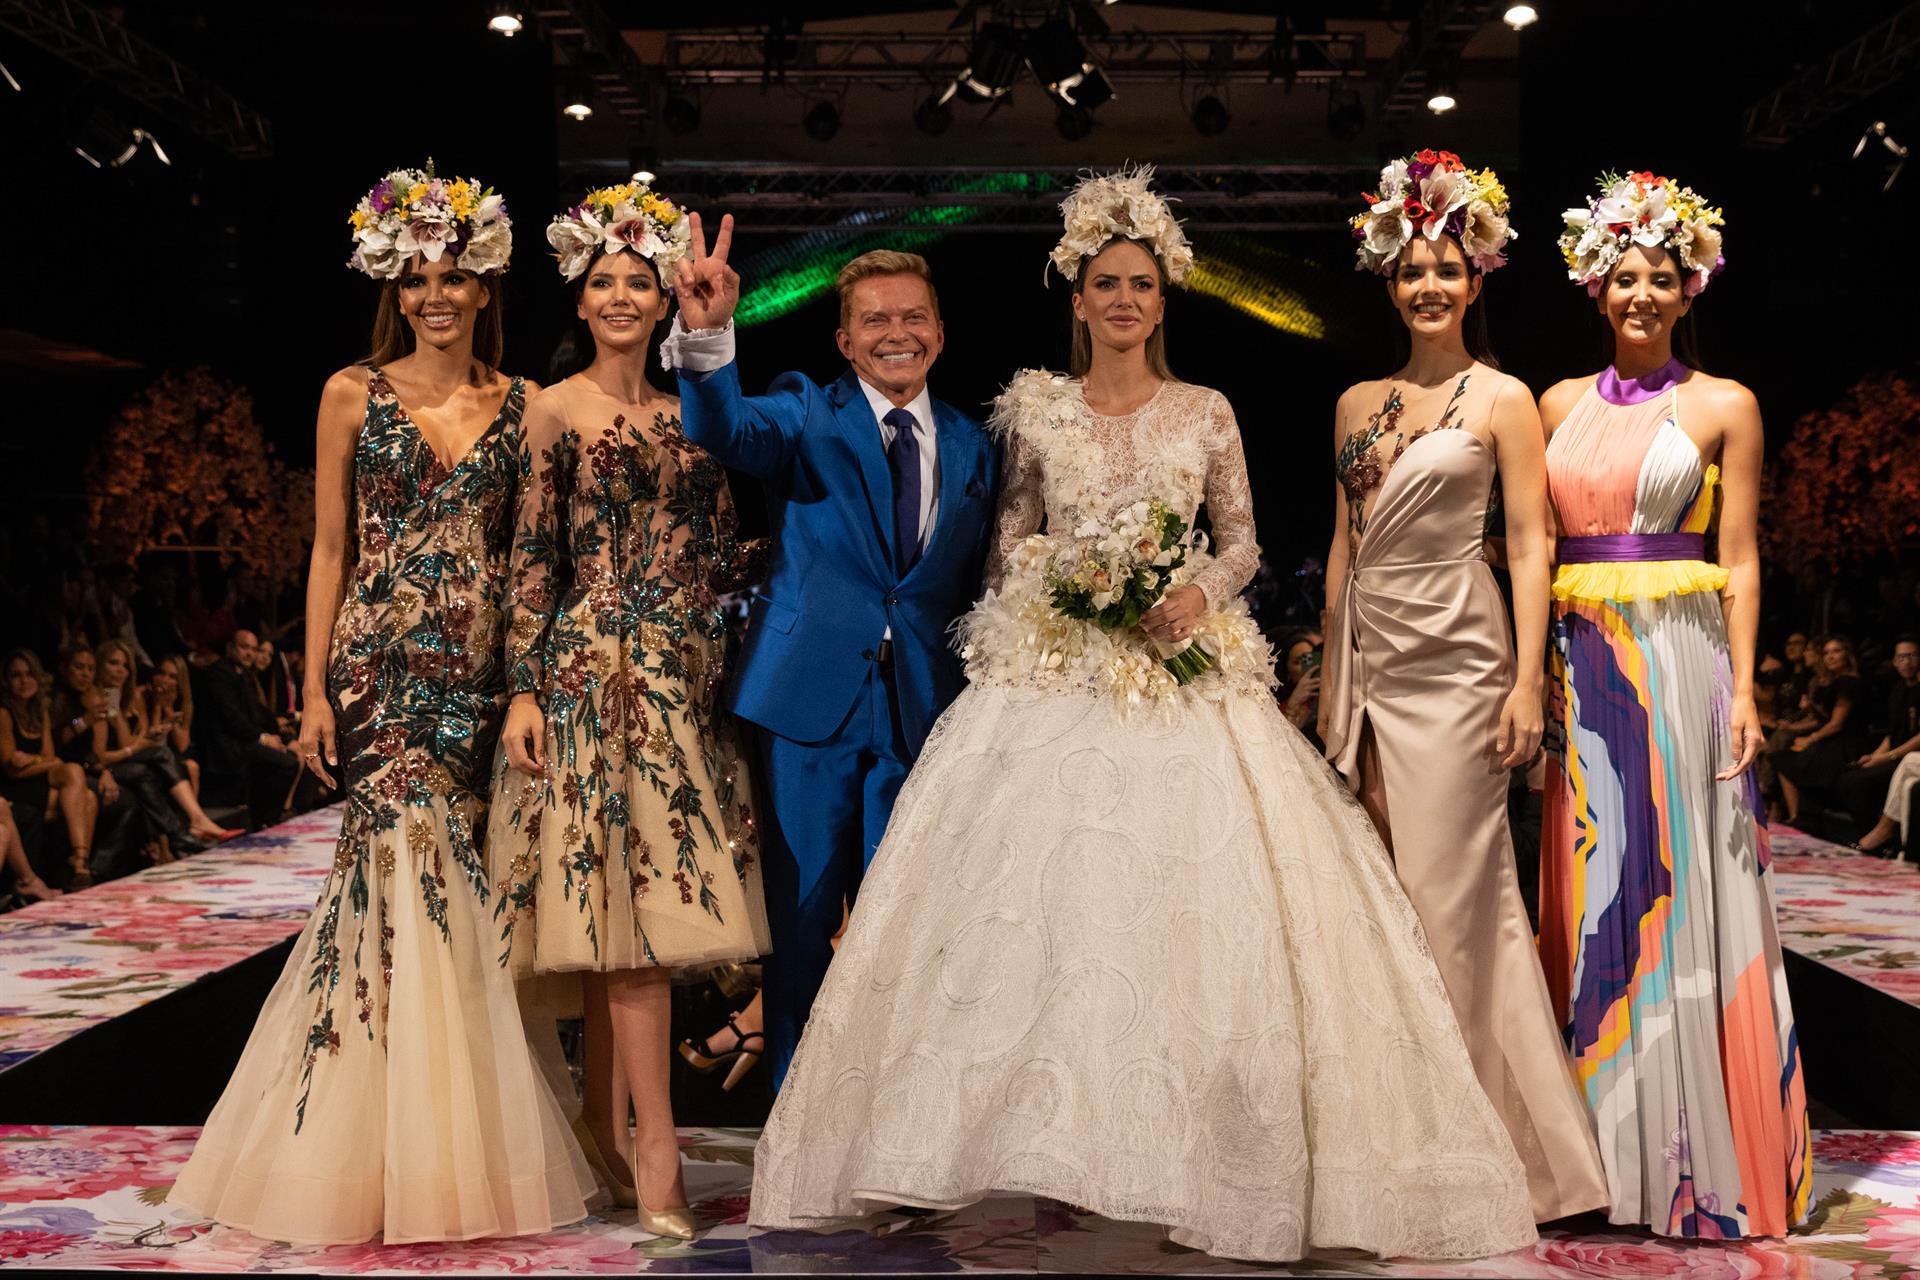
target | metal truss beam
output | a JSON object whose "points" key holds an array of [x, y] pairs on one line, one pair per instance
{"points": [[1436, 35], [979, 198], [1843, 79], [598, 50], [92, 42], [834, 59]]}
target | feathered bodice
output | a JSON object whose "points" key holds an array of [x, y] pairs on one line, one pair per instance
{"points": [[1069, 471]]}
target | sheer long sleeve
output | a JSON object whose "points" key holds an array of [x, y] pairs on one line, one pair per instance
{"points": [[1236, 549], [1022, 505], [541, 566]]}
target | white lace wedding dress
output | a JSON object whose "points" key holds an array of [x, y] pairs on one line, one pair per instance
{"points": [[1129, 945]]}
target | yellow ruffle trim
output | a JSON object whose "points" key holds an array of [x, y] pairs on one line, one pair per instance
{"points": [[1635, 580]]}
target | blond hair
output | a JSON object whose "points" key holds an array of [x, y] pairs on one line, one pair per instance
{"points": [[881, 262], [1080, 355]]}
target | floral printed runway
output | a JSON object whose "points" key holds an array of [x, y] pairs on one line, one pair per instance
{"points": [[1857, 915], [96, 1199], [76, 961]]}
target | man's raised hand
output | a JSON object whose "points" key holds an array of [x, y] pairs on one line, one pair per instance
{"points": [[708, 289]]}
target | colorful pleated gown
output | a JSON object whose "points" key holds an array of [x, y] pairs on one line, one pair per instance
{"points": [[1657, 926]]}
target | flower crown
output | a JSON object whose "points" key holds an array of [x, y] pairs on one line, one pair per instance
{"points": [[1432, 193], [1642, 209], [416, 211], [629, 216], [1122, 203]]}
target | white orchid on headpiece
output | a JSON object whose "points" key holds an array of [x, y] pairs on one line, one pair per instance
{"points": [[1644, 209], [1431, 193], [416, 211], [1122, 204], [631, 217]]}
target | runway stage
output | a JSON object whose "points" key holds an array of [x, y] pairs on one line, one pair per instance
{"points": [[103, 993]]}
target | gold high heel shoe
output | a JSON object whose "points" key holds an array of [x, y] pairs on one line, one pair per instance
{"points": [[623, 1193], [740, 1056], [675, 1224]]}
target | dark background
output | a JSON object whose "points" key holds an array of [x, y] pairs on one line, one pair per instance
{"points": [[240, 265]]}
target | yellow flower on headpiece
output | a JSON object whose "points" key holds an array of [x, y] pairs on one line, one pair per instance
{"points": [[461, 197], [358, 218], [416, 195]]}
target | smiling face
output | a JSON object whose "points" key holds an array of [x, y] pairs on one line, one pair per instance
{"points": [[1432, 286], [1643, 299], [621, 300], [440, 301], [892, 334], [164, 684], [113, 669], [1119, 296]]}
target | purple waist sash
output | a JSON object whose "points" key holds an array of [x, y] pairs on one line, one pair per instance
{"points": [[1618, 548]]}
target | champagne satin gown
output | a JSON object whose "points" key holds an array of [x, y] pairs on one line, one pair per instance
{"points": [[1420, 651]]}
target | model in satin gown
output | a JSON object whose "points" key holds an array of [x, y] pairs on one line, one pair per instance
{"points": [[1656, 898], [388, 1088], [1128, 943], [1422, 707]]}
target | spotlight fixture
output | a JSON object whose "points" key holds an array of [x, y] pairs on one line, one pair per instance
{"points": [[933, 116], [1210, 116], [132, 149], [822, 121], [506, 19], [1520, 16], [1054, 51], [1073, 121], [1346, 115], [1440, 89], [993, 64], [679, 114], [577, 101], [645, 177], [82, 153], [1894, 147], [9, 78]]}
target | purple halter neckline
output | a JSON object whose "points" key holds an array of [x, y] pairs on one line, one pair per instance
{"points": [[1615, 389]]}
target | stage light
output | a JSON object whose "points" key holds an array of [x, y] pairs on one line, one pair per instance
{"points": [[506, 20], [1073, 122], [1346, 115], [1210, 116], [132, 149], [822, 121], [680, 114], [1054, 51], [1440, 88], [10, 80], [1087, 87], [1520, 16], [645, 177], [993, 64], [577, 100], [1894, 147], [82, 153], [933, 116]]}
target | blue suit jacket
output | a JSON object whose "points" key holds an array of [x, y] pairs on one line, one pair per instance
{"points": [[833, 588]]}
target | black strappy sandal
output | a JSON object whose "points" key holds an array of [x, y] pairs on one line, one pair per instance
{"points": [[743, 1054]]}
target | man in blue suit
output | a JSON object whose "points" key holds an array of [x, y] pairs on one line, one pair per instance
{"points": [[882, 503]]}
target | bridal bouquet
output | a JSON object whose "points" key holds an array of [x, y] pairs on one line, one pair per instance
{"points": [[1124, 569]]}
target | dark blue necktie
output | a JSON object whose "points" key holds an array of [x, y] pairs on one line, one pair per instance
{"points": [[903, 459]]}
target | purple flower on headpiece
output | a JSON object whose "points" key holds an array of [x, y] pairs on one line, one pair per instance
{"points": [[383, 195], [1456, 225], [1417, 170]]}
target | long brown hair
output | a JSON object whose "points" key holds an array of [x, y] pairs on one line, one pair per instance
{"points": [[1686, 339], [1080, 358], [393, 336], [182, 691], [29, 715], [1473, 323]]}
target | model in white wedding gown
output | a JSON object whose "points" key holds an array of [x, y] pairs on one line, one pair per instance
{"points": [[1129, 945]]}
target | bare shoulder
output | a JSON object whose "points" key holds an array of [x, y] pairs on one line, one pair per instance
{"points": [[1558, 400], [350, 382], [1355, 403], [1721, 396], [342, 401]]}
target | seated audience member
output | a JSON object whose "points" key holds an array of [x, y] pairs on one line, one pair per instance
{"points": [[1866, 787], [126, 837], [26, 882], [163, 711], [34, 779], [1300, 692], [150, 767], [1814, 760], [243, 748]]}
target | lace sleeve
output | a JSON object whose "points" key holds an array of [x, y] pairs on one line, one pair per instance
{"points": [[541, 566], [1022, 505], [1236, 551]]}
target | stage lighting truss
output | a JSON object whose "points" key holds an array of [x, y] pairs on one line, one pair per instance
{"points": [[90, 41], [1430, 51], [1821, 89], [937, 60], [849, 200], [584, 36]]}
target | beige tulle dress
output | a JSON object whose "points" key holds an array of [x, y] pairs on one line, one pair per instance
{"points": [[387, 1088]]}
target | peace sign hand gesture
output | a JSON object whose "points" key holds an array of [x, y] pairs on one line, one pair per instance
{"points": [[708, 289]]}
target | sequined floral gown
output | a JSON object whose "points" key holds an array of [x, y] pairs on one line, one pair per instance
{"points": [[1130, 945], [387, 1088], [639, 847]]}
